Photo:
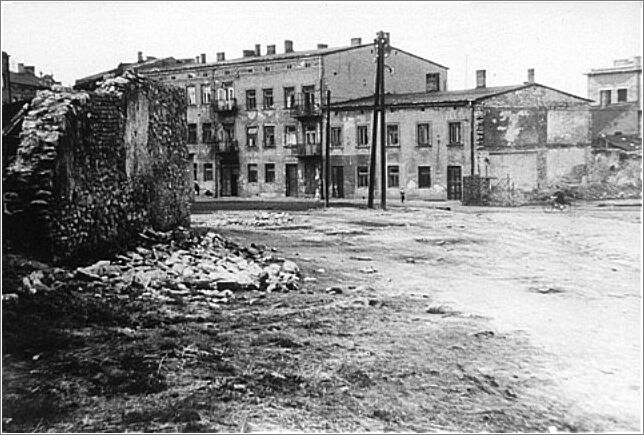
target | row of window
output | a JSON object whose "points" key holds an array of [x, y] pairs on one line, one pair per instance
{"points": [[226, 92], [605, 96], [393, 176], [289, 97], [362, 179], [423, 135]]}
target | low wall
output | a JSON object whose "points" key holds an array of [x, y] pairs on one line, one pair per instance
{"points": [[93, 169]]}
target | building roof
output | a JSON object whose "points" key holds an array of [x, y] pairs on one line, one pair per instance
{"points": [[284, 56], [151, 62], [614, 70], [445, 97], [25, 79]]}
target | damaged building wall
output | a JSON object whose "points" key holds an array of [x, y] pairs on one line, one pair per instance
{"points": [[93, 169], [530, 140]]}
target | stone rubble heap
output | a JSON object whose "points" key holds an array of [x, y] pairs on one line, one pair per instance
{"points": [[177, 265], [264, 219]]}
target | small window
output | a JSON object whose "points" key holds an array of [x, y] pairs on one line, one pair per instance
{"points": [[311, 134], [195, 169], [307, 64], [336, 137], [269, 173], [290, 135], [226, 73], [192, 96], [289, 66], [423, 134], [289, 97], [393, 176], [251, 136], [252, 172], [192, 133], [205, 74], [268, 98], [251, 100], [173, 77], [424, 177], [267, 68], [363, 176], [432, 82], [269, 136], [207, 172], [604, 97], [622, 95], [392, 135], [206, 132], [363, 136], [455, 133]]}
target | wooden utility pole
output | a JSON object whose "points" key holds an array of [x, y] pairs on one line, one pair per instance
{"points": [[327, 147], [383, 153], [374, 135]]}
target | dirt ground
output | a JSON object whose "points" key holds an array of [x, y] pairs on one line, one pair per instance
{"points": [[470, 319]]}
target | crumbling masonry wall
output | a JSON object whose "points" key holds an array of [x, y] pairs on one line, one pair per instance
{"points": [[93, 169]]}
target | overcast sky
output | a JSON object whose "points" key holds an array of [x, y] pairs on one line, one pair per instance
{"points": [[560, 40]]}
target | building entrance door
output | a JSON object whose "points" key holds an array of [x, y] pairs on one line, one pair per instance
{"points": [[229, 175], [337, 182], [291, 180], [454, 183]]}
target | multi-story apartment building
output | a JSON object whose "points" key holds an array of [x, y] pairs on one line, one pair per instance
{"points": [[255, 123], [616, 93], [527, 135]]}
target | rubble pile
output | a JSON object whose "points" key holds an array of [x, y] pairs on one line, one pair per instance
{"points": [[172, 265], [263, 219]]}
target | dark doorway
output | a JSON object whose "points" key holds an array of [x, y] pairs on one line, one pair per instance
{"points": [[310, 183], [229, 175], [291, 180], [454, 183], [337, 182]]}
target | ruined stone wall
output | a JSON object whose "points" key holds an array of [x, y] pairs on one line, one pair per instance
{"points": [[93, 169]]}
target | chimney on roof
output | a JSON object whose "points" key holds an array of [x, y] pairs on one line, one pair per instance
{"points": [[258, 50], [30, 70], [356, 41], [21, 68], [203, 57], [530, 76], [196, 59], [288, 46], [139, 57], [221, 56], [637, 60], [322, 46], [249, 53], [270, 49], [480, 78]]}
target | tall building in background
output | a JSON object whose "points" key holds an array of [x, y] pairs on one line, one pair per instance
{"points": [[22, 85], [616, 93]]}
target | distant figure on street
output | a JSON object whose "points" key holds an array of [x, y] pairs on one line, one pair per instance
{"points": [[558, 197], [402, 195], [197, 189]]}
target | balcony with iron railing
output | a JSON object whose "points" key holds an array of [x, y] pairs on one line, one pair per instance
{"points": [[226, 146], [306, 149], [305, 106], [225, 107]]}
